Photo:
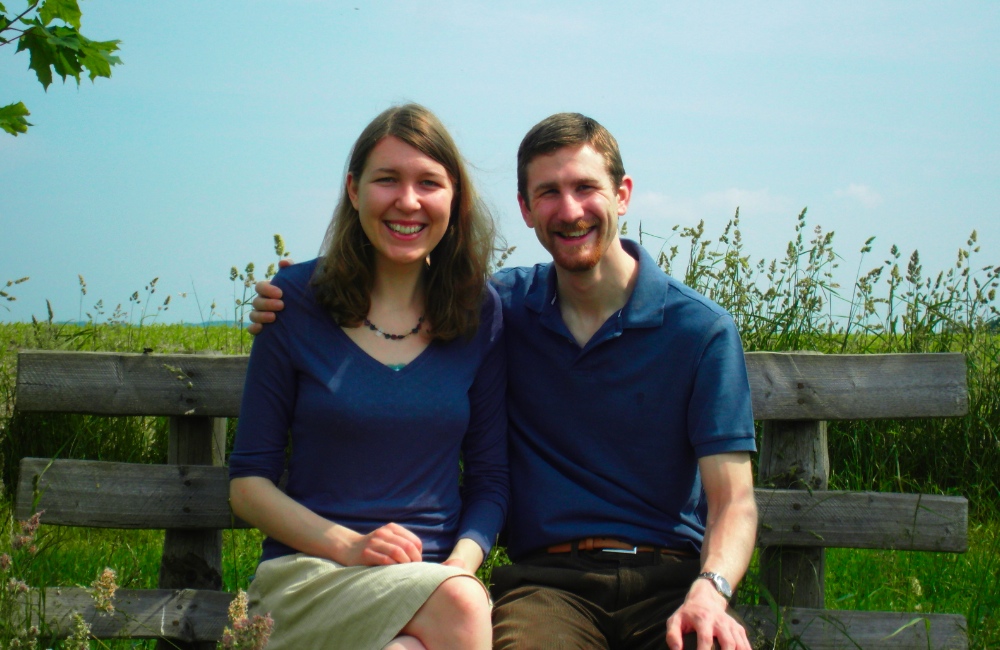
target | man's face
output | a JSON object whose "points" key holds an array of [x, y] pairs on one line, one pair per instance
{"points": [[573, 205]]}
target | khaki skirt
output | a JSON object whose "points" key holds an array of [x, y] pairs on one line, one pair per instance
{"points": [[317, 603]]}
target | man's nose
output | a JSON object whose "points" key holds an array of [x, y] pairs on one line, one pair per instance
{"points": [[570, 208]]}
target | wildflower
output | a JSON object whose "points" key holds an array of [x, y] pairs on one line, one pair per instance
{"points": [[26, 537], [5, 562], [28, 642], [104, 589], [16, 586], [246, 634], [80, 638]]}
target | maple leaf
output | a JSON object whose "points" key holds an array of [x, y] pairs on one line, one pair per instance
{"points": [[67, 11], [12, 117]]}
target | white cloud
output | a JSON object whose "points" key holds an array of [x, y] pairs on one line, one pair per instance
{"points": [[863, 194]]}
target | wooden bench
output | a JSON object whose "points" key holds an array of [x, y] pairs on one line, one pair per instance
{"points": [[794, 394]]}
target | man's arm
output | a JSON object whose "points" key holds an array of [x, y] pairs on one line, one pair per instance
{"points": [[730, 536]]}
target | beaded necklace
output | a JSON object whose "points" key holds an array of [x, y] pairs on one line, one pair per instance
{"points": [[393, 337]]}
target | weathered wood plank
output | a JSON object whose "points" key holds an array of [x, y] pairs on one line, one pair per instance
{"points": [[796, 386], [879, 520], [784, 386], [130, 384], [198, 615], [819, 629], [125, 495], [794, 456], [192, 559], [182, 616]]}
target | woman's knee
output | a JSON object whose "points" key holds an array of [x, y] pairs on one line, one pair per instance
{"points": [[464, 596], [405, 643]]}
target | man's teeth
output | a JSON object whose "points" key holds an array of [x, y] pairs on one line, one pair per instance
{"points": [[404, 230], [576, 233]]}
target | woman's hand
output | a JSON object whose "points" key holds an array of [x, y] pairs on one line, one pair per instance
{"points": [[390, 544], [466, 555]]}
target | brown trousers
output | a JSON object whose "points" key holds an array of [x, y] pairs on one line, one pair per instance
{"points": [[590, 599]]}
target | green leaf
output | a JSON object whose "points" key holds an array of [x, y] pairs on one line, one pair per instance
{"points": [[68, 52], [12, 117], [97, 58], [67, 11], [35, 40]]}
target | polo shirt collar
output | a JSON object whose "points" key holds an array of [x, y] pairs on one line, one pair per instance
{"points": [[644, 307]]}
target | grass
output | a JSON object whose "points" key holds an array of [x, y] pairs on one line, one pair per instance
{"points": [[794, 303]]}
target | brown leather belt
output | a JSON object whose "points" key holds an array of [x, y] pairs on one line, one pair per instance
{"points": [[613, 545]]}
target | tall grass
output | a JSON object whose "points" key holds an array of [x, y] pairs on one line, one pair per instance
{"points": [[797, 302]]}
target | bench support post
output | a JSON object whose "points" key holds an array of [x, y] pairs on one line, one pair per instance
{"points": [[192, 559], [794, 455]]}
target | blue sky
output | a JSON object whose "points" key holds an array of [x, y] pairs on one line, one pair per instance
{"points": [[231, 121]]}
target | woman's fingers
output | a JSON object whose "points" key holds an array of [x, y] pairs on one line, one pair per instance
{"points": [[391, 544]]}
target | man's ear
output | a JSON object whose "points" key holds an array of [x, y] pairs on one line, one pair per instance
{"points": [[525, 211], [352, 189], [624, 195]]}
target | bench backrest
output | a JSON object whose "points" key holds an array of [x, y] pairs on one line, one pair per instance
{"points": [[793, 393]]}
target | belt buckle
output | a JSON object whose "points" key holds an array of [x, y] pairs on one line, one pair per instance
{"points": [[633, 551]]}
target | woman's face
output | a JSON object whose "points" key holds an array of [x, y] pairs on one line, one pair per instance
{"points": [[404, 198]]}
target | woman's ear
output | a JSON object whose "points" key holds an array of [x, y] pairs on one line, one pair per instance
{"points": [[351, 186]]}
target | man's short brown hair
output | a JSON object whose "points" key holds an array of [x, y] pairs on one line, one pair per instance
{"points": [[567, 130]]}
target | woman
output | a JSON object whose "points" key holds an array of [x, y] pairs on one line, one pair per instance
{"points": [[386, 366]]}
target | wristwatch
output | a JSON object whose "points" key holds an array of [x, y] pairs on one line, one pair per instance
{"points": [[721, 584]]}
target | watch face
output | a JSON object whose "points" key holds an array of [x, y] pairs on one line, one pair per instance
{"points": [[723, 586], [720, 583]]}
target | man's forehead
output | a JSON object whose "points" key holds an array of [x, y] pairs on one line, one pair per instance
{"points": [[580, 162]]}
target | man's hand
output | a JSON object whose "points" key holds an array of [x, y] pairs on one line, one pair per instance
{"points": [[390, 544], [704, 612], [265, 303]]}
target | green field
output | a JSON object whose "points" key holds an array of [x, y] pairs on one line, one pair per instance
{"points": [[787, 304]]}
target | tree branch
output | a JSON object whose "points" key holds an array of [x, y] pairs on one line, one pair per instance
{"points": [[31, 5]]}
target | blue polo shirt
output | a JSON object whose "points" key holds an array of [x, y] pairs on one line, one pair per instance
{"points": [[604, 440]]}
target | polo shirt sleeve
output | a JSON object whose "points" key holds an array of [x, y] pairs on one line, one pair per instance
{"points": [[720, 416]]}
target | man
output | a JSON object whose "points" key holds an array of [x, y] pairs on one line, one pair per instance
{"points": [[630, 425]]}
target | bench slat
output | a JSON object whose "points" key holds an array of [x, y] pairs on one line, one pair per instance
{"points": [[796, 386], [184, 615], [199, 615], [879, 520], [784, 386], [101, 494], [103, 383], [124, 495], [824, 629]]}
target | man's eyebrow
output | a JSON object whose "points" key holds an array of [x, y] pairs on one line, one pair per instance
{"points": [[583, 180]]}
